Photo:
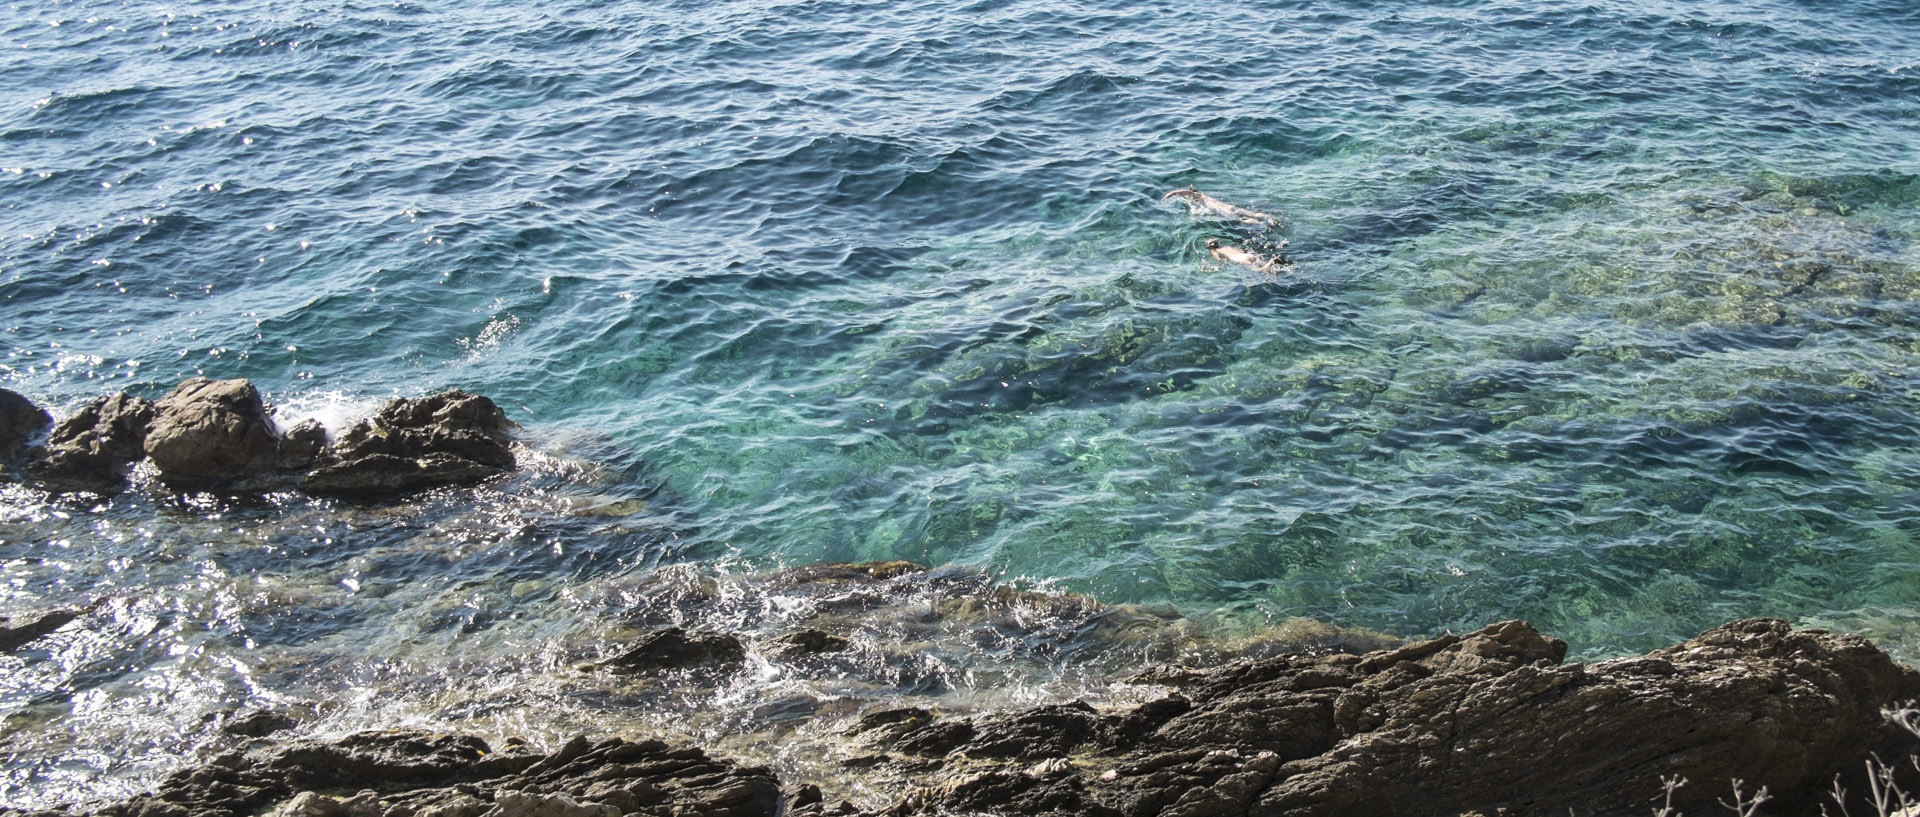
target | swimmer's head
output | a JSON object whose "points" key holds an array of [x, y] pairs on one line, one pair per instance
{"points": [[1213, 243], [1182, 193]]}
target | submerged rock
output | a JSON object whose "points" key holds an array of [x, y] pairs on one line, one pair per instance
{"points": [[675, 648], [259, 723], [809, 642], [95, 448], [23, 631], [20, 422], [210, 432]]}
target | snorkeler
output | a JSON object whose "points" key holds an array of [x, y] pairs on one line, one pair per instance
{"points": [[1202, 204], [1238, 255]]}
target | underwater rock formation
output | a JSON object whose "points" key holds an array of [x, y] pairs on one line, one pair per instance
{"points": [[675, 648], [14, 635], [219, 435], [1492, 722]]}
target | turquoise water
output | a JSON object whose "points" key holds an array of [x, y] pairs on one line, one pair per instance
{"points": [[1600, 314]]}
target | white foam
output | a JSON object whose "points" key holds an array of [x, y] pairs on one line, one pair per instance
{"points": [[333, 409]]}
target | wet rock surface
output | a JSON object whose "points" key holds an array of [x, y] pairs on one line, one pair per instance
{"points": [[210, 432], [219, 435], [24, 630], [95, 448], [675, 648], [417, 774], [20, 422], [1491, 722], [449, 438]]}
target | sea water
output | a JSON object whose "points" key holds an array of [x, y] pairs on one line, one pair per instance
{"points": [[1601, 314]]}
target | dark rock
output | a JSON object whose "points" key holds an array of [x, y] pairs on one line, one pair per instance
{"points": [[804, 796], [259, 723], [451, 438], [20, 422], [416, 774], [841, 573], [1124, 731], [302, 446], [210, 432], [1050, 789], [936, 739], [902, 719], [94, 449], [1047, 731], [368, 758], [795, 646], [453, 422], [675, 648], [384, 474], [1489, 722], [1485, 723], [14, 636]]}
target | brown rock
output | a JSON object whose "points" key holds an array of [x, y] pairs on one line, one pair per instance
{"points": [[1041, 732], [209, 432], [383, 474], [94, 449], [455, 422], [17, 634], [808, 642], [675, 648], [451, 438], [302, 446], [422, 774], [1489, 722], [1751, 701], [20, 422]]}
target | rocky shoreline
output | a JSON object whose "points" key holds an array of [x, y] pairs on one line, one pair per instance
{"points": [[1493, 722], [219, 435], [1487, 723]]}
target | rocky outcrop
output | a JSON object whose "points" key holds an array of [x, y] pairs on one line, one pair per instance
{"points": [[1488, 723], [20, 422], [211, 432], [415, 774], [94, 449], [449, 438], [219, 435]]}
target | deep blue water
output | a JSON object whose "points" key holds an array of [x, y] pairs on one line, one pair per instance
{"points": [[1600, 314]]}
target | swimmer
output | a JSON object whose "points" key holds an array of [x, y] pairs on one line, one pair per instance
{"points": [[1203, 204], [1236, 255]]}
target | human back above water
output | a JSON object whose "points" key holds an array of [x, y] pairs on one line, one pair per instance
{"points": [[1257, 249], [1202, 204]]}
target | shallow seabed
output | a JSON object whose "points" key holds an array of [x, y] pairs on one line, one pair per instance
{"points": [[1601, 315]]}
